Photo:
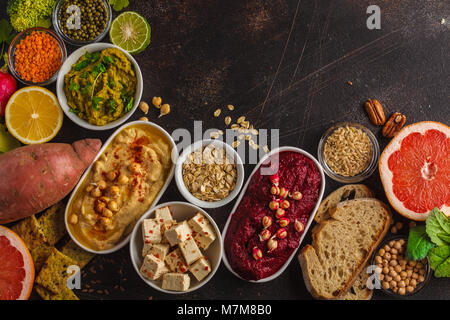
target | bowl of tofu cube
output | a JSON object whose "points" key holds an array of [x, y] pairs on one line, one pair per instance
{"points": [[176, 247]]}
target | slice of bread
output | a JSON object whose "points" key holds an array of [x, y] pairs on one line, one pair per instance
{"points": [[359, 290], [342, 245], [347, 192]]}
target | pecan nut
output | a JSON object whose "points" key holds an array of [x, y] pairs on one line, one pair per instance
{"points": [[375, 111], [393, 125]]}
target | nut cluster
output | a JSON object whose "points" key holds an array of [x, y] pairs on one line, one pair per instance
{"points": [[279, 205], [209, 174], [396, 272]]}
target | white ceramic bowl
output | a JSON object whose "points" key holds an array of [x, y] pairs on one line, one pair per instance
{"points": [[181, 211], [122, 243], [65, 68], [179, 173], [310, 220]]}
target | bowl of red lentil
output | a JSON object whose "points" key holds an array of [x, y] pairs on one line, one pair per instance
{"points": [[348, 152], [398, 276], [35, 56]]}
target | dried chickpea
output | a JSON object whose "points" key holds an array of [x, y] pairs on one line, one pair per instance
{"points": [[111, 176], [397, 278], [378, 259], [143, 119], [398, 269], [401, 241], [394, 251], [397, 245], [394, 230], [399, 225], [381, 252], [386, 285], [387, 248], [393, 262], [391, 243], [385, 270], [165, 109], [409, 289], [421, 279], [113, 206], [387, 256], [393, 284], [144, 107], [395, 290], [413, 282], [388, 278], [403, 274], [156, 101], [401, 284], [123, 179], [96, 192], [101, 184], [401, 291]]}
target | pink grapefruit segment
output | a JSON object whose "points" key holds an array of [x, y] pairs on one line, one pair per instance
{"points": [[16, 267], [415, 170]]}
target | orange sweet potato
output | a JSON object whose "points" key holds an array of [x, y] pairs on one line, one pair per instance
{"points": [[34, 177]]}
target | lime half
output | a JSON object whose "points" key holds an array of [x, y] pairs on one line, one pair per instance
{"points": [[131, 32]]}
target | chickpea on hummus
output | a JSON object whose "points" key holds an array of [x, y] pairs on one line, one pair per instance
{"points": [[122, 185]]}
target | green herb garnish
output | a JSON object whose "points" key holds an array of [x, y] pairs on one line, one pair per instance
{"points": [[74, 86], [108, 60], [129, 105], [111, 84], [95, 102], [74, 110], [81, 65], [112, 105]]}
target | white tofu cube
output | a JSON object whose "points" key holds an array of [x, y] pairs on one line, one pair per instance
{"points": [[198, 222], [175, 261], [179, 233], [200, 269], [190, 251], [159, 250], [151, 231], [166, 226], [205, 237], [163, 215], [153, 268], [176, 282]]}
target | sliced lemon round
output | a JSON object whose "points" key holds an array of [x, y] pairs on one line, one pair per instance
{"points": [[33, 115]]}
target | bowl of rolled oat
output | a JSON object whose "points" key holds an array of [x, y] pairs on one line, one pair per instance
{"points": [[348, 152], [209, 173]]}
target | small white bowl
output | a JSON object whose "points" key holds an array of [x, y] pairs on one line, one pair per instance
{"points": [[122, 243], [65, 68], [181, 211], [179, 173], [308, 224]]}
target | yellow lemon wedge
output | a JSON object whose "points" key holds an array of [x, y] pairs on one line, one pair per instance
{"points": [[33, 115]]}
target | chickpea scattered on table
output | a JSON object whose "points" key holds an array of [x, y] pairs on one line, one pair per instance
{"points": [[396, 272]]}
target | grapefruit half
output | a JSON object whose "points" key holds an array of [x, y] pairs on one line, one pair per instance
{"points": [[415, 170], [16, 267]]}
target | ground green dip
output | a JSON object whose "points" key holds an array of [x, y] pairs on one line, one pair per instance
{"points": [[100, 87]]}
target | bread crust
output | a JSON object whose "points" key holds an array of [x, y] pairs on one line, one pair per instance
{"points": [[316, 231], [335, 197]]}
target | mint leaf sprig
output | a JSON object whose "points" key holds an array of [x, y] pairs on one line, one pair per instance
{"points": [[432, 240]]}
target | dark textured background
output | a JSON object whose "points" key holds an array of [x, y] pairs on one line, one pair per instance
{"points": [[284, 64]]}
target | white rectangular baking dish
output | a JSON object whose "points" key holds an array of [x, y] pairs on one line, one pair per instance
{"points": [[174, 157], [310, 220]]}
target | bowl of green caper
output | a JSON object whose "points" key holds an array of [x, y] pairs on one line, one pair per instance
{"points": [[80, 22]]}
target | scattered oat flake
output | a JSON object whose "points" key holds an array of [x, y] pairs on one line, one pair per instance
{"points": [[266, 149], [227, 120], [217, 113], [230, 107], [236, 144], [240, 119]]}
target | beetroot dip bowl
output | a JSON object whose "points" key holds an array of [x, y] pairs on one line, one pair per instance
{"points": [[249, 240]]}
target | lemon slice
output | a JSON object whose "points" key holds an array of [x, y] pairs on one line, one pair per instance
{"points": [[33, 115]]}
